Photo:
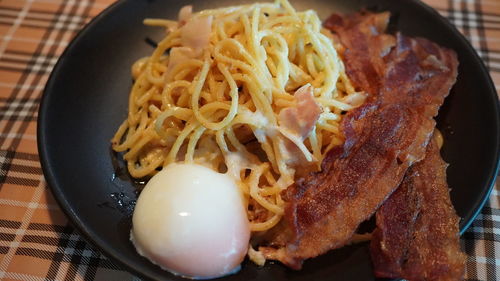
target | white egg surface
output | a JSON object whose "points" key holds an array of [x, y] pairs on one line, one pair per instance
{"points": [[191, 221]]}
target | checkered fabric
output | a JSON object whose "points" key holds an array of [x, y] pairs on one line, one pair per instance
{"points": [[36, 240]]}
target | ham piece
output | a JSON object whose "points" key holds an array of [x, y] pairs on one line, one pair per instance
{"points": [[301, 119]]}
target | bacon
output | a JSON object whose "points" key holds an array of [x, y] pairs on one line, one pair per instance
{"points": [[366, 44], [407, 80], [417, 229]]}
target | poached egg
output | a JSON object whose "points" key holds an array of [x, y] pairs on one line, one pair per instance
{"points": [[191, 221]]}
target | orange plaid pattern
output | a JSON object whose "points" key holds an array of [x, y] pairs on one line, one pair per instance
{"points": [[36, 240]]}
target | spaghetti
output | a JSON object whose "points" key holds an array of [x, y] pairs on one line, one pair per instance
{"points": [[233, 89]]}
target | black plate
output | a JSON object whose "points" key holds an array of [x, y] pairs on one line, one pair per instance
{"points": [[86, 98]]}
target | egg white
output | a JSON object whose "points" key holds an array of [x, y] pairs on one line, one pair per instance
{"points": [[191, 221]]}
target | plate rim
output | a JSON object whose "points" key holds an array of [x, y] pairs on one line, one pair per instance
{"points": [[43, 154]]}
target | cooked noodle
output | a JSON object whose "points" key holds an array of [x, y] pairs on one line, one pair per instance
{"points": [[219, 105]]}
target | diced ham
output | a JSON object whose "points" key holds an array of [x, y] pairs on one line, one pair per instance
{"points": [[300, 119], [355, 99], [185, 14], [178, 55], [195, 34]]}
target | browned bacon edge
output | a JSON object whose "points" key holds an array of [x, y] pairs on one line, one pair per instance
{"points": [[407, 81], [417, 229]]}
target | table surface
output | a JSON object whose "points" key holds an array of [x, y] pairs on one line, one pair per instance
{"points": [[37, 242]]}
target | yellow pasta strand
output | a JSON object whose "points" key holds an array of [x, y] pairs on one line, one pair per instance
{"points": [[218, 105]]}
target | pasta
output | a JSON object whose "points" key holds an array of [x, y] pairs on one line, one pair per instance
{"points": [[220, 96]]}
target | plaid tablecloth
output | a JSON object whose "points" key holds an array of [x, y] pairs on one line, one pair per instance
{"points": [[36, 240]]}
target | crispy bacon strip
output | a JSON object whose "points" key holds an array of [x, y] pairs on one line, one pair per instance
{"points": [[407, 80], [417, 228]]}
